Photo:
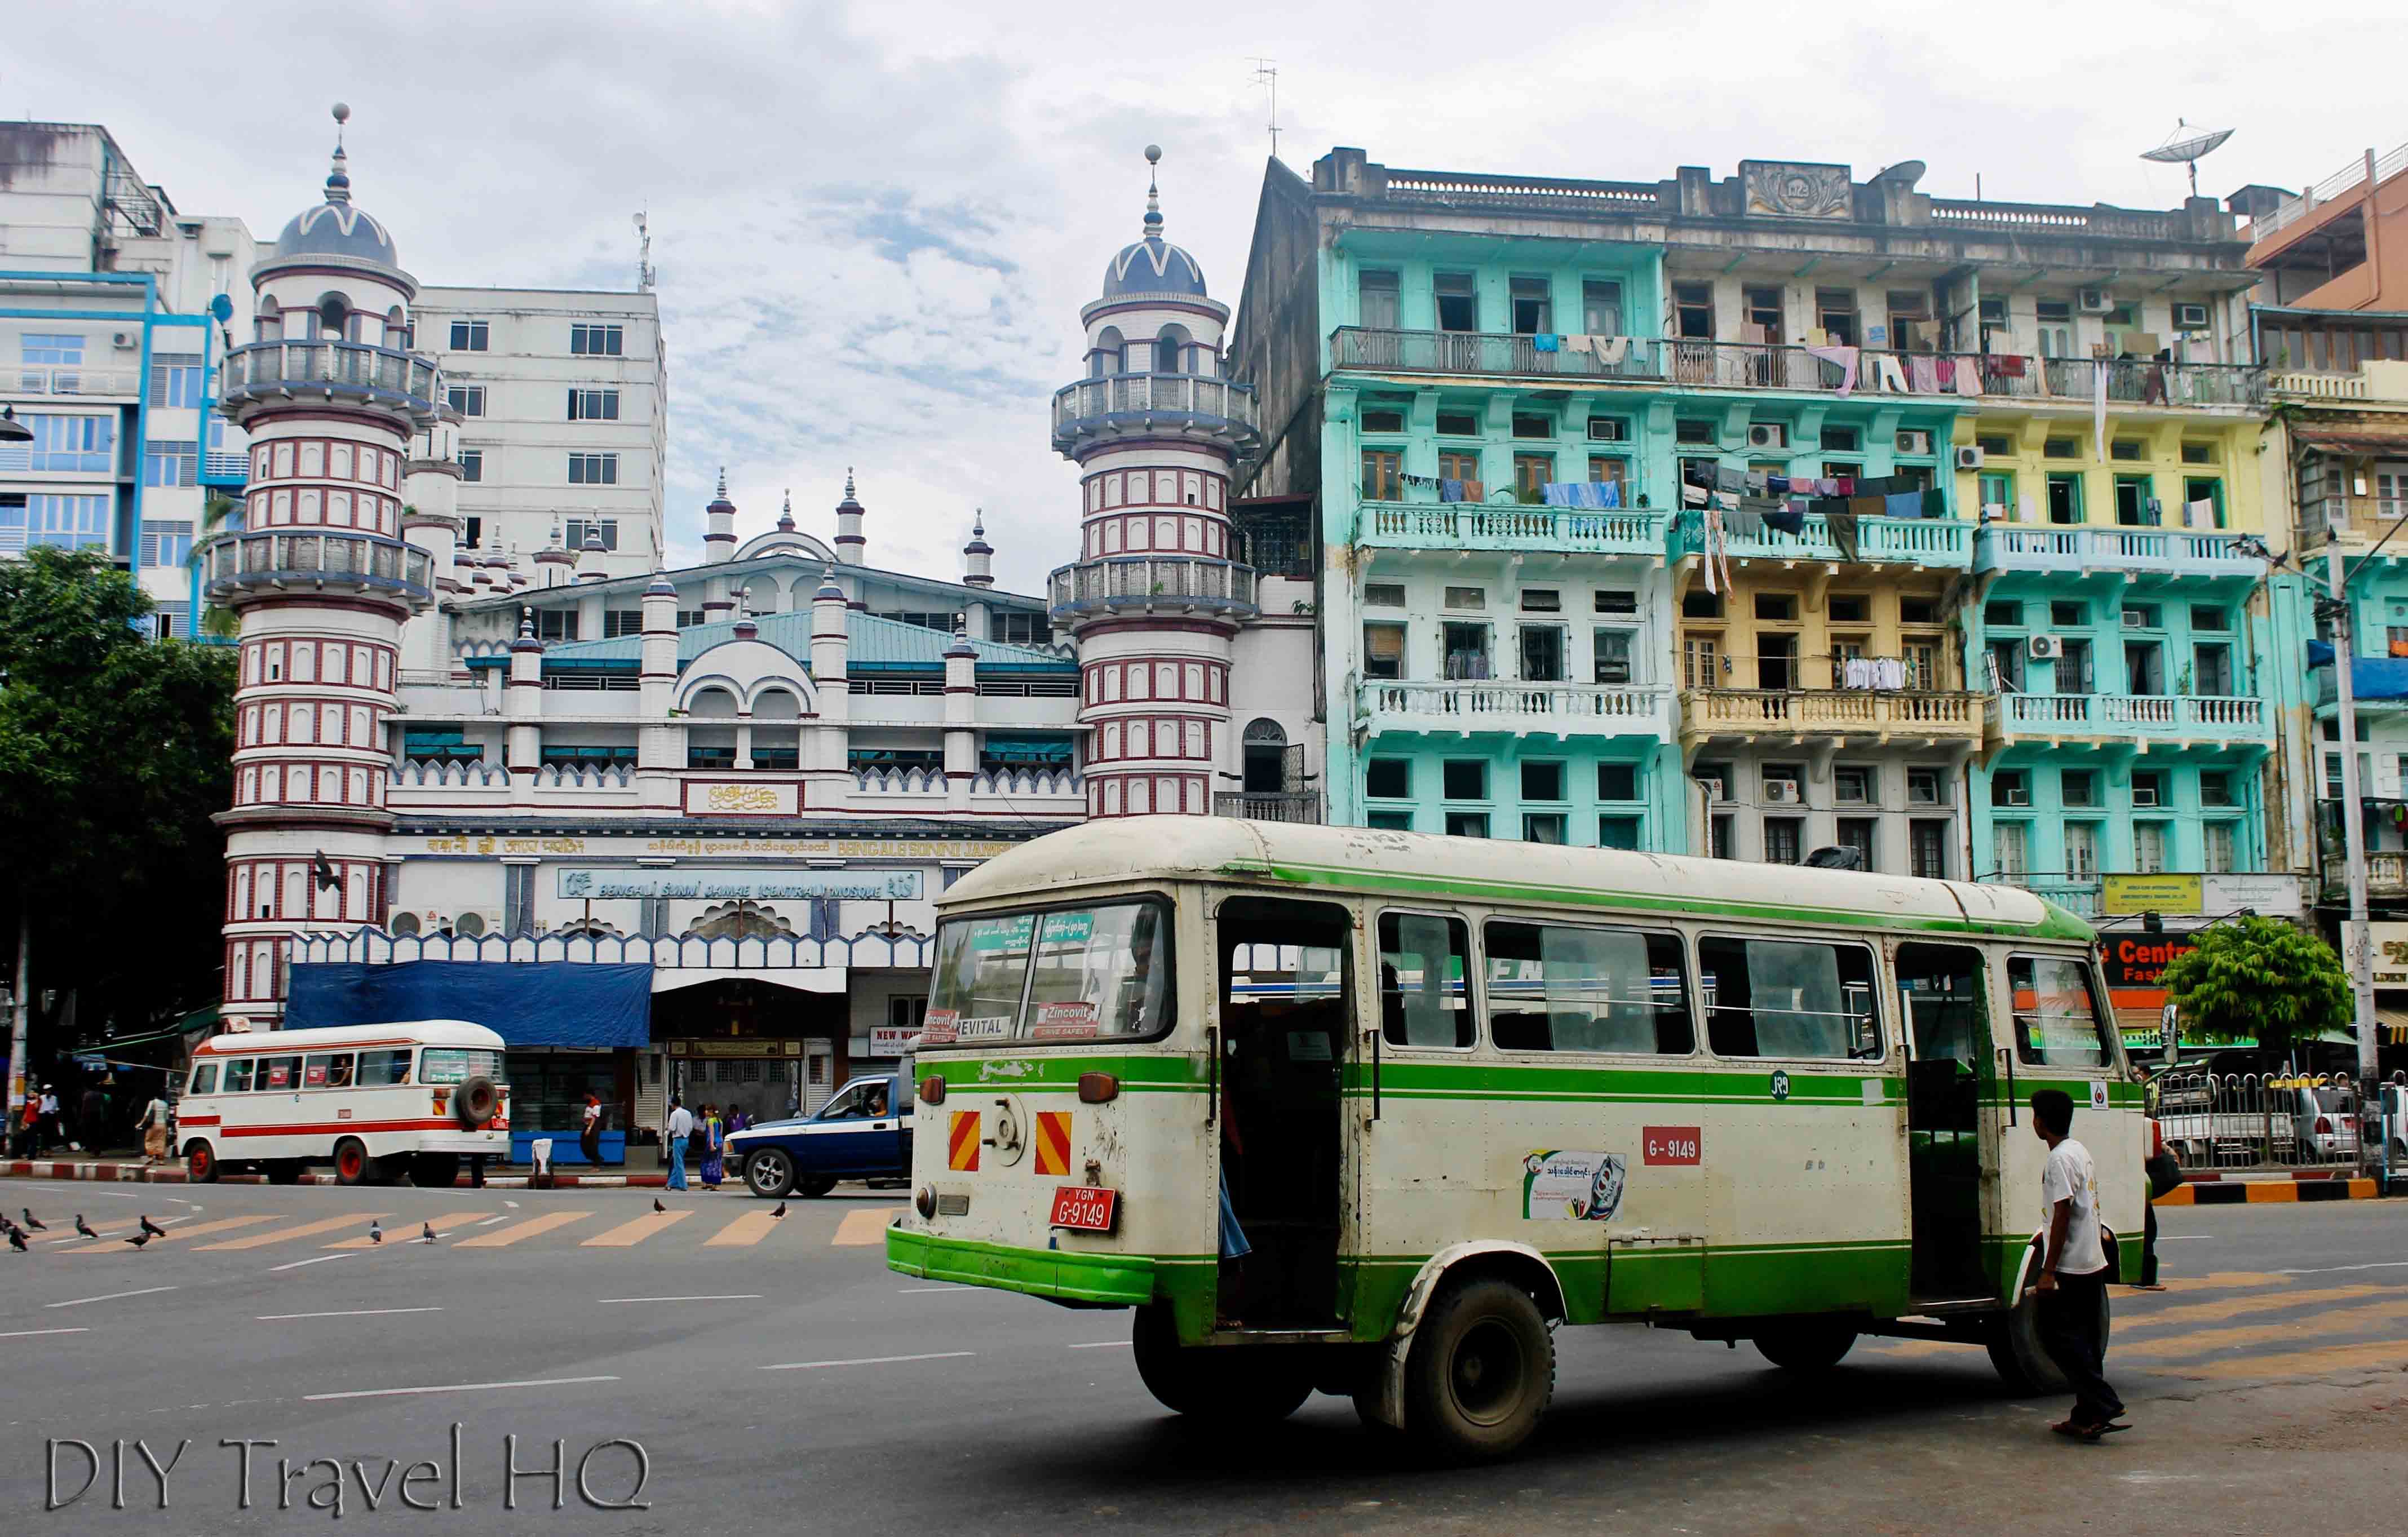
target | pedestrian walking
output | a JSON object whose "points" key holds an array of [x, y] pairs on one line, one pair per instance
{"points": [[2073, 1285], [52, 1132], [154, 1130], [92, 1118], [714, 1147], [589, 1136], [29, 1127], [673, 1136]]}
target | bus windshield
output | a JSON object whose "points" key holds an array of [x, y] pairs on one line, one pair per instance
{"points": [[1071, 974], [457, 1064]]}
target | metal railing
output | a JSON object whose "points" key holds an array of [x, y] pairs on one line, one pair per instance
{"points": [[1269, 806], [2387, 874], [1450, 188], [1167, 582], [1944, 713], [2244, 1120], [2143, 381], [379, 374], [2129, 714], [1470, 526], [1217, 404], [1487, 352], [1914, 541], [2291, 209], [2175, 552], [74, 378], [327, 556], [1502, 701]]}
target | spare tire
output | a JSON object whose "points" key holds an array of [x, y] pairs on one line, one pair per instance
{"points": [[477, 1100]]}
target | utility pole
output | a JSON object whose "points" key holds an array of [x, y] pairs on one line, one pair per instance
{"points": [[22, 1003], [2355, 937]]}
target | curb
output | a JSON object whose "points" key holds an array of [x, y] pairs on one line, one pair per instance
{"points": [[139, 1174], [2262, 1191], [2224, 1176]]}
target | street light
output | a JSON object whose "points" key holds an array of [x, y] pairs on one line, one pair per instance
{"points": [[12, 430]]}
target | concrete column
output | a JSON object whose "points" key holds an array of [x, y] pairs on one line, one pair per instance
{"points": [[522, 708], [961, 717], [660, 743]]}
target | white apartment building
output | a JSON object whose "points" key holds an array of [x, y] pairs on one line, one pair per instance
{"points": [[562, 405]]}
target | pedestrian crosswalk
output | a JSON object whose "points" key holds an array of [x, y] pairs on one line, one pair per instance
{"points": [[712, 1225]]}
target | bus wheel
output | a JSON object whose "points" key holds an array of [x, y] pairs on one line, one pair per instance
{"points": [[816, 1186], [433, 1170], [350, 1162], [770, 1173], [2015, 1349], [1235, 1384], [201, 1163], [1807, 1348], [282, 1170], [1479, 1374]]}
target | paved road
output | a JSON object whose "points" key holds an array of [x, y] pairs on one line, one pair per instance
{"points": [[780, 1378]]}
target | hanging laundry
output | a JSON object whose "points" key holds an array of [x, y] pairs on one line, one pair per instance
{"points": [[1555, 493], [1843, 359], [1450, 491], [1788, 517], [1544, 341], [1730, 479], [1903, 504], [1889, 672], [1577, 342], [2027, 508], [2098, 405], [1842, 487], [1693, 496], [1842, 524], [1612, 350], [1924, 369], [1968, 378], [2199, 514], [1935, 502], [2153, 384], [1887, 375], [2007, 364], [1609, 493]]}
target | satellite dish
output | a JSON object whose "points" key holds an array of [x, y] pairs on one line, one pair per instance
{"points": [[2186, 147], [1908, 172], [222, 308]]}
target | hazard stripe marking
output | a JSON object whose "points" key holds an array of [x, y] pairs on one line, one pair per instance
{"points": [[861, 1228], [221, 1225], [407, 1232], [1054, 1141], [745, 1231], [962, 1145], [284, 1235], [502, 1238], [628, 1234]]}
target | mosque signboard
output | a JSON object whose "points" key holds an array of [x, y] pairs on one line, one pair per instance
{"points": [[584, 883]]}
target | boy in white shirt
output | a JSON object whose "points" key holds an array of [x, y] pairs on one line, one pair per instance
{"points": [[2072, 1283]]}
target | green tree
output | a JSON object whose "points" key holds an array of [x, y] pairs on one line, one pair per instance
{"points": [[115, 752], [2260, 977]]}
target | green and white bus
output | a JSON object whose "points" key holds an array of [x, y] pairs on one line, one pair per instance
{"points": [[1368, 1112]]}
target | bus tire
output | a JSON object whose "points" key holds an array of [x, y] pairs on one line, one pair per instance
{"points": [[351, 1165], [816, 1186], [433, 1170], [282, 1170], [1807, 1348], [770, 1173], [1481, 1371], [1233, 1384], [200, 1162], [2015, 1349]]}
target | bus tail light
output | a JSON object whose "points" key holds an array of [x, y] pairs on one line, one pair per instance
{"points": [[926, 1201], [932, 1088], [1098, 1088]]}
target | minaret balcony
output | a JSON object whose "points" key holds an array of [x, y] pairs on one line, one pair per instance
{"points": [[1191, 405], [1179, 584], [269, 374], [246, 566]]}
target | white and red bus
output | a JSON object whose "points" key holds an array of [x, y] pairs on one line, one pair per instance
{"points": [[375, 1101]]}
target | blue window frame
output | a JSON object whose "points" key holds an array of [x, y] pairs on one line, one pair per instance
{"points": [[80, 443], [53, 349], [171, 463], [166, 541], [70, 523]]}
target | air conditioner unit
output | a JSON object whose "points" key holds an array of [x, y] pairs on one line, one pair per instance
{"points": [[126, 341], [2044, 648], [2190, 317], [2145, 795], [1781, 792], [1969, 456], [1768, 434], [1606, 429], [1914, 442], [2132, 618], [2019, 795], [2096, 301]]}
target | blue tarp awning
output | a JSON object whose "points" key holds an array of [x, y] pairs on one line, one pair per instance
{"points": [[529, 1003]]}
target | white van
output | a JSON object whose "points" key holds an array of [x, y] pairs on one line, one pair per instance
{"points": [[375, 1101]]}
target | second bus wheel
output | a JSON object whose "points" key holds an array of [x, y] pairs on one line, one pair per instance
{"points": [[1806, 1347], [1234, 1384], [1481, 1371]]}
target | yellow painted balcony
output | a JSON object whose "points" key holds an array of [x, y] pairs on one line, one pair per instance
{"points": [[1907, 717]]}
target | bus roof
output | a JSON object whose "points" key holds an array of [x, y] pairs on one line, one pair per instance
{"points": [[403, 1032], [1477, 869]]}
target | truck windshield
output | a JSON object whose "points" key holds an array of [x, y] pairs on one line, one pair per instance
{"points": [[1089, 973]]}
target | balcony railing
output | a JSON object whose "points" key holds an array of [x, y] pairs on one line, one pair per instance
{"points": [[2386, 877], [401, 382], [1151, 582], [2167, 552], [1185, 405], [1269, 806], [221, 467], [74, 378], [1464, 525], [235, 564], [2156, 715], [2316, 386], [1845, 712], [1908, 541], [1483, 353], [1507, 704], [2141, 382], [2076, 894]]}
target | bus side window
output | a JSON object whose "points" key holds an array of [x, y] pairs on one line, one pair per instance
{"points": [[1425, 975], [2057, 1022], [205, 1079], [384, 1069], [237, 1075], [1789, 998], [1554, 987]]}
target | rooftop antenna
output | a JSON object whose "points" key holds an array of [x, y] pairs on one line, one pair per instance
{"points": [[2185, 146], [643, 252], [1267, 74]]}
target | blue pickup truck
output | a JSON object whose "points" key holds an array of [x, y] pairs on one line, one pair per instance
{"points": [[863, 1133]]}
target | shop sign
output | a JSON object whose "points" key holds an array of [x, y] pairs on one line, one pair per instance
{"points": [[2389, 944], [732, 1048], [892, 1040], [2137, 962], [2123, 896], [2268, 895], [579, 883], [742, 797]]}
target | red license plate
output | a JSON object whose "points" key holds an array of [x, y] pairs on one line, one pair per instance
{"points": [[1085, 1208]]}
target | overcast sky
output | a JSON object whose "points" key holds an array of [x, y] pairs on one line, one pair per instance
{"points": [[874, 224]]}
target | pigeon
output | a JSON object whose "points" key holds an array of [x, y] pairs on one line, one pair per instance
{"points": [[376, 1234], [16, 1240], [140, 1239], [84, 1227], [151, 1228], [781, 1211], [33, 1223], [657, 1206], [426, 1232]]}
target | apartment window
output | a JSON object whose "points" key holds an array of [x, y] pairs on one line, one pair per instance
{"points": [[688, 618], [1459, 467], [1925, 787], [1467, 824], [1857, 832], [171, 463], [1383, 472], [556, 625], [2198, 454], [472, 469], [2082, 851], [590, 340], [619, 622], [2149, 848], [67, 523], [1543, 827], [1996, 489], [1389, 779], [166, 541], [607, 527], [1617, 832], [2202, 502], [1611, 650], [2006, 615], [1610, 469], [2149, 789], [2210, 670], [2215, 788], [1542, 781], [2067, 616], [2078, 787], [1376, 294], [2009, 787], [1601, 307], [1467, 598], [1458, 303], [592, 469], [73, 444], [1383, 595], [2134, 507], [1782, 837], [1383, 651], [1458, 424], [2009, 844], [1617, 782], [1389, 821], [51, 349], [1761, 309], [1543, 654], [467, 399], [468, 336], [700, 756], [175, 380], [2065, 498], [2145, 671], [1835, 312], [1464, 779], [1694, 429], [1851, 609], [1531, 474], [1918, 610], [1697, 656], [1693, 311], [2124, 448], [1927, 850], [1617, 600], [1779, 606], [1529, 425], [1855, 785], [1722, 836], [593, 405], [1534, 306], [1542, 600], [2216, 847]]}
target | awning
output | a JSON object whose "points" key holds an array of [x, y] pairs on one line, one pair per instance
{"points": [[2357, 440], [2393, 1025], [529, 1003], [802, 978]]}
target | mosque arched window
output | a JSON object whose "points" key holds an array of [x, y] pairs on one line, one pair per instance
{"points": [[1170, 349], [1104, 359]]}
